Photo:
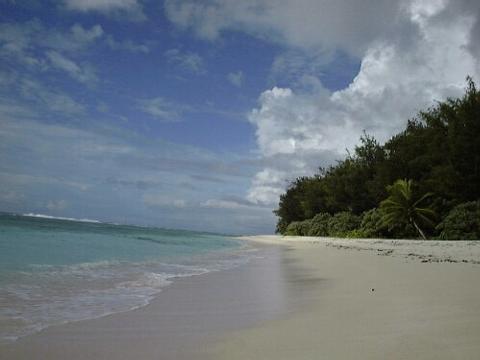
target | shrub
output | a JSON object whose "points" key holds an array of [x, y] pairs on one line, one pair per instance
{"points": [[319, 225], [462, 222], [293, 228], [305, 226], [372, 225], [342, 223], [298, 228]]}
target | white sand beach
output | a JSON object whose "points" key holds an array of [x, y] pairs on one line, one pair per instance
{"points": [[373, 299]]}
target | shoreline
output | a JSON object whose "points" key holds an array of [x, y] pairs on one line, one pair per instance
{"points": [[302, 298], [179, 323]]}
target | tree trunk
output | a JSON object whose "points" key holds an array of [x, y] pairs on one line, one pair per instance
{"points": [[418, 229]]}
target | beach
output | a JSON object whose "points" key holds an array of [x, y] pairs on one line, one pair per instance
{"points": [[300, 298], [373, 299]]}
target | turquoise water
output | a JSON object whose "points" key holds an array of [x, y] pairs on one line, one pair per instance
{"points": [[54, 271]]}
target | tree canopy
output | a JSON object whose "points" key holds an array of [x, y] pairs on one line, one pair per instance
{"points": [[438, 151]]}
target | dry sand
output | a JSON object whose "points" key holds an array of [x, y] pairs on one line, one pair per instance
{"points": [[304, 298], [419, 300]]}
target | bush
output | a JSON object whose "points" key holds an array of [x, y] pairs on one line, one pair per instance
{"points": [[342, 223], [293, 228], [372, 225], [319, 225], [298, 228], [305, 226], [462, 222]]}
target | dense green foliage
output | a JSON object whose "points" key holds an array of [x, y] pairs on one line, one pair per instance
{"points": [[439, 154], [463, 222], [339, 225], [294, 228], [402, 208], [372, 225], [343, 223], [319, 225]]}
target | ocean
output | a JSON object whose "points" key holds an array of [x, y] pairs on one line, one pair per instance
{"points": [[54, 271]]}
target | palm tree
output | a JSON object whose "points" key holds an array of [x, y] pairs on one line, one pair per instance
{"points": [[402, 208]]}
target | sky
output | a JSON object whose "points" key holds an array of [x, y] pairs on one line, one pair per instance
{"points": [[197, 114]]}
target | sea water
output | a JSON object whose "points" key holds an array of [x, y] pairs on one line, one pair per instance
{"points": [[54, 271]]}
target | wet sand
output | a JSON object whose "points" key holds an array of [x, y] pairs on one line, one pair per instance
{"points": [[181, 323]]}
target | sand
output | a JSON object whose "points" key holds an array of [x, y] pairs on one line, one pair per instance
{"points": [[373, 299], [302, 298]]}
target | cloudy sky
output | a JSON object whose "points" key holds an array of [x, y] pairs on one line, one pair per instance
{"points": [[196, 114]]}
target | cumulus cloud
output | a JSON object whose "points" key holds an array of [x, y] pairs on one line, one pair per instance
{"points": [[267, 186], [236, 78], [302, 69], [299, 131]]}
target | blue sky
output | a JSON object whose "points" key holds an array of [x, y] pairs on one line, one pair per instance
{"points": [[196, 114]]}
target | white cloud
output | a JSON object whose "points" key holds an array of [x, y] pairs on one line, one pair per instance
{"points": [[43, 49], [48, 99], [23, 40], [86, 36], [100, 5], [130, 7], [161, 109], [299, 131], [85, 74], [187, 61], [267, 186], [16, 42], [127, 45], [304, 23], [300, 68], [236, 78], [227, 203], [14, 109]]}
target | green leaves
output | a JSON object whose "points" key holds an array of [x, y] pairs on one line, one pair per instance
{"points": [[401, 208], [462, 222]]}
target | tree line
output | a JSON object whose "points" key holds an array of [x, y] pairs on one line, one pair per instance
{"points": [[423, 182]]}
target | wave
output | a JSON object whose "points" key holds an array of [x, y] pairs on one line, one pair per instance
{"points": [[55, 294], [60, 218]]}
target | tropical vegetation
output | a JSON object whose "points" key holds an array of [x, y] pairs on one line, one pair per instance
{"points": [[423, 182]]}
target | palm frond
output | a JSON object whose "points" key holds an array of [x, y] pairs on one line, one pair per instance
{"points": [[401, 208]]}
